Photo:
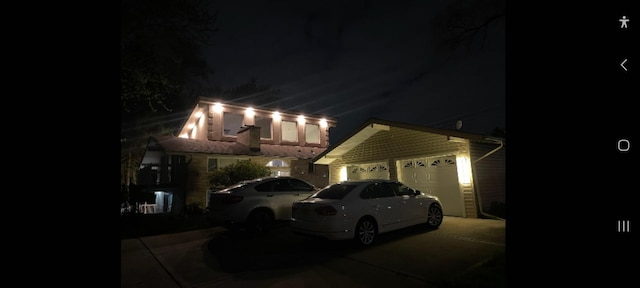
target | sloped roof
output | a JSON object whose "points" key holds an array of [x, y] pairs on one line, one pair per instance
{"points": [[375, 125], [184, 145]]}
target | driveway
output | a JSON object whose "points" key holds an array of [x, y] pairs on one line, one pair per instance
{"points": [[215, 257]]}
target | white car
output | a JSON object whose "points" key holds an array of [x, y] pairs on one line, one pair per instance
{"points": [[256, 204], [361, 209]]}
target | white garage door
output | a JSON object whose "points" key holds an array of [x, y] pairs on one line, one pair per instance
{"points": [[435, 176], [369, 171]]}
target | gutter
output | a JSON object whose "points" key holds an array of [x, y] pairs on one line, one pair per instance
{"points": [[501, 144]]}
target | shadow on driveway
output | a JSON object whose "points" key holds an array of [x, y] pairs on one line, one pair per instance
{"points": [[280, 248]]}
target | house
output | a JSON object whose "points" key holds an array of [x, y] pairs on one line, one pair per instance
{"points": [[466, 171], [175, 169]]}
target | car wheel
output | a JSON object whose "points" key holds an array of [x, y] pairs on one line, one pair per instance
{"points": [[260, 221], [434, 216], [366, 232]]}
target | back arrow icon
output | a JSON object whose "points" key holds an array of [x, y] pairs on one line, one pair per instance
{"points": [[622, 64]]}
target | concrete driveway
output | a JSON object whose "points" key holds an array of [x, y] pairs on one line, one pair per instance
{"points": [[215, 257]]}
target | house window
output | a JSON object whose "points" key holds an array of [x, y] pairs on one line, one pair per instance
{"points": [[312, 133], [265, 126], [277, 163], [212, 164], [232, 123], [289, 131]]}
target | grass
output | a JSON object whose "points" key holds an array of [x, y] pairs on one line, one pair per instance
{"points": [[141, 225]]}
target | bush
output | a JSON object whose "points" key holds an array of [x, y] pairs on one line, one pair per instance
{"points": [[234, 173]]}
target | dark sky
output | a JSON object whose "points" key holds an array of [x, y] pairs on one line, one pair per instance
{"points": [[362, 59]]}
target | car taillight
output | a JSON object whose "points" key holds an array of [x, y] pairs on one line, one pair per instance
{"points": [[326, 210], [232, 199]]}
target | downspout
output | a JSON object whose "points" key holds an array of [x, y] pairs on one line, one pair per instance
{"points": [[476, 188]]}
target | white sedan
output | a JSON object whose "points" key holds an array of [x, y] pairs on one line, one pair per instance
{"points": [[361, 209]]}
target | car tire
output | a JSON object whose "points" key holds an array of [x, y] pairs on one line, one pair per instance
{"points": [[434, 216], [366, 232], [260, 221]]}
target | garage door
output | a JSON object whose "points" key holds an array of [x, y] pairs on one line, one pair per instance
{"points": [[434, 176], [369, 171]]}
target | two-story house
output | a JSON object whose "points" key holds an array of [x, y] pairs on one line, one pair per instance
{"points": [[176, 169]]}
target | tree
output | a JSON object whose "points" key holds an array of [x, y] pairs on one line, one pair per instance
{"points": [[161, 54], [161, 42], [239, 171], [464, 23]]}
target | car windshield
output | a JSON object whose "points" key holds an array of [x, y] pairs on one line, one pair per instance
{"points": [[335, 191]]}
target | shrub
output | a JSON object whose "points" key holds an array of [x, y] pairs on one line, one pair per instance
{"points": [[239, 171]]}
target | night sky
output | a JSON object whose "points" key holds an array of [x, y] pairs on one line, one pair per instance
{"points": [[362, 59]]}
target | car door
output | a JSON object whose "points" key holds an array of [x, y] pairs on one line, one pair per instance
{"points": [[381, 202], [284, 192], [411, 207]]}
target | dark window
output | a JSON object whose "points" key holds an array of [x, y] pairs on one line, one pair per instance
{"points": [[335, 191], [377, 190], [212, 164], [401, 189], [265, 126], [298, 185], [265, 187], [232, 123]]}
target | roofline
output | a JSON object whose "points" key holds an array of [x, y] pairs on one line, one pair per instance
{"points": [[211, 100], [373, 120]]}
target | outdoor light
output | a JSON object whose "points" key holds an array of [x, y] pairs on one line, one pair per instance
{"points": [[301, 119], [323, 123], [276, 116], [217, 107], [343, 173], [249, 112], [464, 170]]}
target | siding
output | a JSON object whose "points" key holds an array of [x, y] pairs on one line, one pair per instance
{"points": [[198, 182], [489, 173], [400, 143], [334, 171], [318, 177]]}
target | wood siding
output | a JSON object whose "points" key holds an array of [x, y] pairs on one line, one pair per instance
{"points": [[489, 174], [400, 143]]}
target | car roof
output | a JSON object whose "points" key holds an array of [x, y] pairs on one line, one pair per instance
{"points": [[367, 181], [269, 178]]}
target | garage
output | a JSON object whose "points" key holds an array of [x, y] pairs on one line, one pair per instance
{"points": [[465, 170], [435, 176], [378, 170]]}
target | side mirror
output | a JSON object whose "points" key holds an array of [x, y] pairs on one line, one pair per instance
{"points": [[417, 192]]}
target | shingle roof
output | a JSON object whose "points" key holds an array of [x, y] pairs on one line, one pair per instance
{"points": [[184, 145]]}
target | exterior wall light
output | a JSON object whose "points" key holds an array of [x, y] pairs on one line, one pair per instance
{"points": [[343, 173], [276, 116], [464, 170], [217, 107]]}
